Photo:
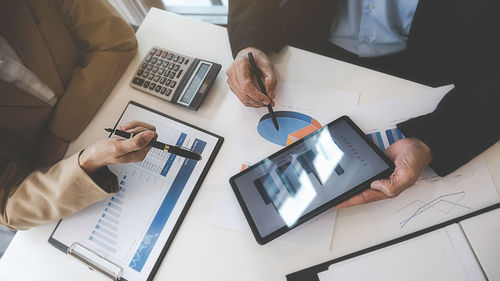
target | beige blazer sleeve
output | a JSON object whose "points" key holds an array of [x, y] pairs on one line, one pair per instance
{"points": [[46, 196], [107, 44]]}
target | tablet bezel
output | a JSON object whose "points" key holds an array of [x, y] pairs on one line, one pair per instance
{"points": [[353, 191]]}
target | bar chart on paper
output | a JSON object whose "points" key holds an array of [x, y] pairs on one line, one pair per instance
{"points": [[132, 227], [105, 232], [293, 126], [383, 139], [135, 179]]}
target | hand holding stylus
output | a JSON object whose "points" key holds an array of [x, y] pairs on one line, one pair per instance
{"points": [[239, 78]]}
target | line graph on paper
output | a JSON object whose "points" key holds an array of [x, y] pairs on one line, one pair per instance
{"points": [[443, 204]]}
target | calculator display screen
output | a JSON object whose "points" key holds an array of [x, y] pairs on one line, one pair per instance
{"points": [[196, 81]]}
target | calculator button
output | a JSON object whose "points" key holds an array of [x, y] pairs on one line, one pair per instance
{"points": [[149, 67], [163, 54], [176, 67], [176, 57], [153, 51], [168, 92], [165, 63], [173, 84], [180, 72], [153, 60], [158, 52], [163, 90], [167, 73], [138, 81], [161, 71], [171, 66], [157, 77], [146, 84], [172, 75], [145, 74], [181, 60], [152, 86], [139, 73], [148, 58], [159, 62], [150, 76], [162, 80], [187, 61], [168, 82], [158, 88], [169, 57], [144, 65], [155, 69]]}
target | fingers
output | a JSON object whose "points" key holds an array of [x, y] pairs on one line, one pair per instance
{"points": [[136, 143], [270, 80], [389, 187], [134, 156], [252, 96], [134, 124], [366, 196], [396, 183], [137, 130], [240, 78]]}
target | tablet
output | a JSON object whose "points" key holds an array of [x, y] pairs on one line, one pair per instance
{"points": [[308, 177]]}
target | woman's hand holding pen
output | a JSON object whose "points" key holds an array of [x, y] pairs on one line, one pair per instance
{"points": [[113, 151]]}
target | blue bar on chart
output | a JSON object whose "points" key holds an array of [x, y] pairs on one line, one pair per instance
{"points": [[377, 139], [393, 135], [105, 232], [171, 158], [165, 209]]}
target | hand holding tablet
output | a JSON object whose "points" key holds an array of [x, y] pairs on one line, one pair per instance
{"points": [[308, 177]]}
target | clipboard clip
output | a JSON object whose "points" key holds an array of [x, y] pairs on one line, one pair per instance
{"points": [[95, 261]]}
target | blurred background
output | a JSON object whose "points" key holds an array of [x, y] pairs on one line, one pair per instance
{"points": [[212, 11]]}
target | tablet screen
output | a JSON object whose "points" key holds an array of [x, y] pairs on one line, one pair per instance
{"points": [[279, 190]]}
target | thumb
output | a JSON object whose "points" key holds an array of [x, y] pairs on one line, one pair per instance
{"points": [[141, 140], [384, 185]]}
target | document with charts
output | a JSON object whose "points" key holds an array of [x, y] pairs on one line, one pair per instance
{"points": [[133, 228], [432, 199]]}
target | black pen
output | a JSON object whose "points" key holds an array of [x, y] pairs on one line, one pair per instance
{"points": [[183, 152], [258, 76]]}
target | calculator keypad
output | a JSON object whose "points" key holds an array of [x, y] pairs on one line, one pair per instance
{"points": [[160, 72]]}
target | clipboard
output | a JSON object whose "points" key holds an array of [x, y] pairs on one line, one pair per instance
{"points": [[101, 216], [311, 273]]}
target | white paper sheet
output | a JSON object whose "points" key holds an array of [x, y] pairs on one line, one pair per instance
{"points": [[483, 234], [443, 254], [385, 114]]}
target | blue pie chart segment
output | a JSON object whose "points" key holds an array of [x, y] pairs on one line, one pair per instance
{"points": [[292, 126]]}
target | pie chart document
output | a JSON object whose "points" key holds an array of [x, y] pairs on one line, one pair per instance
{"points": [[293, 126]]}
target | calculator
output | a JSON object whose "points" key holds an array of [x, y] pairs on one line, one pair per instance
{"points": [[175, 77]]}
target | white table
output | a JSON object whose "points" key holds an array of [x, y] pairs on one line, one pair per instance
{"points": [[202, 251]]}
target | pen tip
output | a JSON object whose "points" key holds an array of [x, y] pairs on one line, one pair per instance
{"points": [[276, 125]]}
